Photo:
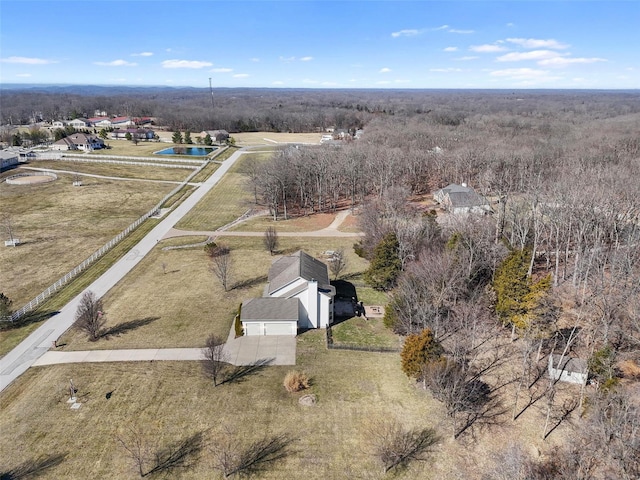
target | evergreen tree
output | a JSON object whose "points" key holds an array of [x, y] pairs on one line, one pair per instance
{"points": [[5, 307], [177, 137], [187, 137], [418, 351], [128, 136], [208, 140], [519, 300], [385, 265]]}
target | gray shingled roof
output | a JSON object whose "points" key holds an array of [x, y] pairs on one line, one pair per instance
{"points": [[466, 199], [298, 265], [270, 309], [569, 364]]}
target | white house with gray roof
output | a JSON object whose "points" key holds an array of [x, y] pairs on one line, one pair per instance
{"points": [[459, 199], [298, 295]]}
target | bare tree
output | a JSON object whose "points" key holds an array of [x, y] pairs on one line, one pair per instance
{"points": [[394, 446], [337, 263], [233, 456], [270, 239], [150, 458], [221, 265], [215, 358], [7, 225], [89, 316]]}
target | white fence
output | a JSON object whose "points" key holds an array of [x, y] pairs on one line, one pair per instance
{"points": [[75, 158], [99, 253]]}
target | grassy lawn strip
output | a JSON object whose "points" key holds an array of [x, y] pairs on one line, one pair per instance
{"points": [[294, 224], [205, 173], [358, 332], [115, 170]]}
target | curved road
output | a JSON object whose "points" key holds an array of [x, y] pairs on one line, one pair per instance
{"points": [[18, 360]]}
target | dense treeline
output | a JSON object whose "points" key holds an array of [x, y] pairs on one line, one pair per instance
{"points": [[303, 110]]}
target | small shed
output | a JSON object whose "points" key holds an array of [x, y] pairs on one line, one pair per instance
{"points": [[8, 159], [270, 316], [568, 369]]}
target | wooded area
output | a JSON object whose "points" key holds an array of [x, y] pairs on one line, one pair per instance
{"points": [[553, 269]]}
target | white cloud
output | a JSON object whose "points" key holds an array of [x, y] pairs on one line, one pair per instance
{"points": [[23, 75], [526, 75], [487, 48], [467, 58], [254, 59], [450, 49], [445, 70], [221, 70], [142, 54], [241, 75], [441, 27], [463, 32], [561, 61], [277, 82], [538, 43], [306, 59], [116, 63], [384, 70], [287, 59], [28, 60], [402, 81], [185, 64], [406, 33], [531, 55], [511, 25]]}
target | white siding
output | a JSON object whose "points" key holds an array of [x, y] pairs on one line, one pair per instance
{"points": [[252, 328]]}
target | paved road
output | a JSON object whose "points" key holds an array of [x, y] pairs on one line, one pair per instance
{"points": [[16, 362]]}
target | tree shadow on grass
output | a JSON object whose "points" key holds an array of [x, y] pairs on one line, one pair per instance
{"points": [[32, 317], [240, 372], [251, 282], [33, 468], [125, 327]]}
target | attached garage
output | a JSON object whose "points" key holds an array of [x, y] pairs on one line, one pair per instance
{"points": [[270, 316]]}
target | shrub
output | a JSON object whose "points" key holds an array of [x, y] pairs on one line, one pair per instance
{"points": [[296, 381], [210, 249], [237, 325]]}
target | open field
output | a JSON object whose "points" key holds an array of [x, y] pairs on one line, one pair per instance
{"points": [[115, 170], [225, 202], [181, 307], [263, 138], [307, 223], [60, 225], [170, 401]]}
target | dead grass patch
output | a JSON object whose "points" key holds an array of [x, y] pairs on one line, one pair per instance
{"points": [[263, 138], [116, 170], [60, 225], [306, 223]]}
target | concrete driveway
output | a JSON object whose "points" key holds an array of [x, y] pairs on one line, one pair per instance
{"points": [[257, 350]]}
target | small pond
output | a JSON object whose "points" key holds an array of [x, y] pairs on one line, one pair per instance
{"points": [[192, 151]]}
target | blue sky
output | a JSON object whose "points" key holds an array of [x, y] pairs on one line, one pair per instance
{"points": [[323, 44]]}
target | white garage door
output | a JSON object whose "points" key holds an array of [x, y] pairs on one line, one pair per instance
{"points": [[278, 328], [252, 329]]}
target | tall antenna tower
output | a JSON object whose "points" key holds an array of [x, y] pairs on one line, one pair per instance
{"points": [[211, 91]]}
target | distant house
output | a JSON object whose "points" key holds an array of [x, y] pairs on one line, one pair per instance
{"points": [[298, 295], [100, 122], [79, 141], [58, 124], [358, 134], [79, 123], [122, 122], [139, 133], [568, 369], [218, 136], [8, 159], [140, 121], [459, 199]]}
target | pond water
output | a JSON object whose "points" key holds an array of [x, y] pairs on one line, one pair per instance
{"points": [[192, 151]]}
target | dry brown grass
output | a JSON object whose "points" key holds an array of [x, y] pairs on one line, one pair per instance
{"points": [[115, 170], [258, 138], [60, 225], [187, 303], [306, 223], [171, 400]]}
